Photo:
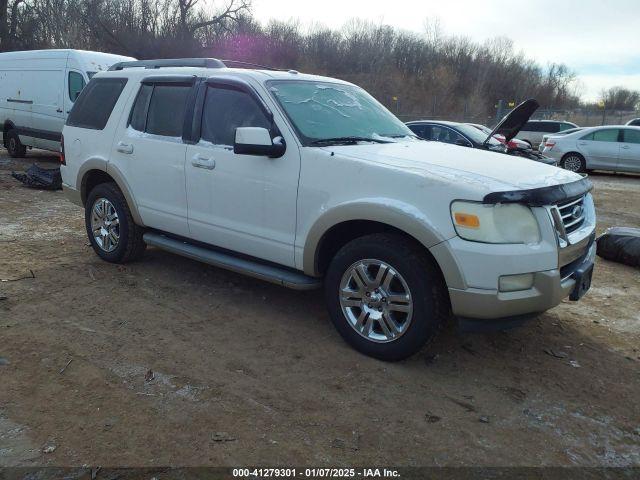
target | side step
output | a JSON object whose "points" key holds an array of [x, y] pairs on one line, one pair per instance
{"points": [[270, 273]]}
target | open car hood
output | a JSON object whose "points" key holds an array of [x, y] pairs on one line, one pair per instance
{"points": [[513, 122]]}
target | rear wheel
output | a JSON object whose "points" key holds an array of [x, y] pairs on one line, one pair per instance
{"points": [[385, 296], [573, 162], [112, 232], [15, 148]]}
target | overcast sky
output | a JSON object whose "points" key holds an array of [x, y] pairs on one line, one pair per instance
{"points": [[598, 39]]}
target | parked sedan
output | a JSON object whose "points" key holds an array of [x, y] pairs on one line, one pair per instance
{"points": [[612, 147], [559, 134]]}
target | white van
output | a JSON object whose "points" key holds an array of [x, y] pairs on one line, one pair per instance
{"points": [[37, 91]]}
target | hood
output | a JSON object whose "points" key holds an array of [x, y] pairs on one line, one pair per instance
{"points": [[513, 122], [482, 170]]}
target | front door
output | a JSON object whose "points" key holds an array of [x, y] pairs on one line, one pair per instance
{"points": [[629, 160], [601, 148], [150, 153], [245, 203]]}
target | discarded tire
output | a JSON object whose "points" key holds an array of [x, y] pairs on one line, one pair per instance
{"points": [[620, 244]]}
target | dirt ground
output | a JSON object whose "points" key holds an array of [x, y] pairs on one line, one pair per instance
{"points": [[247, 373]]}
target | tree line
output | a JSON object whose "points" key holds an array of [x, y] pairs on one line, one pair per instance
{"points": [[413, 74]]}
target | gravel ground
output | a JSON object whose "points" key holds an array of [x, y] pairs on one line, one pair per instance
{"points": [[173, 362]]}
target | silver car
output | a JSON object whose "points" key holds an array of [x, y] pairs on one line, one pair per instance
{"points": [[612, 147], [564, 132]]}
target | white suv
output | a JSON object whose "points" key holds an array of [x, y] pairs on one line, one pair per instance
{"points": [[303, 180]]}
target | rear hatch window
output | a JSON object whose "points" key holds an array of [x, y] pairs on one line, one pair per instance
{"points": [[93, 107]]}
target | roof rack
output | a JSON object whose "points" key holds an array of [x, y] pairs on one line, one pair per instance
{"points": [[248, 64], [162, 63]]}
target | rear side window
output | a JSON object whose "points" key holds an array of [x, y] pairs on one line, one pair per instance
{"points": [[549, 127], [226, 109], [608, 135], [93, 107], [166, 110]]}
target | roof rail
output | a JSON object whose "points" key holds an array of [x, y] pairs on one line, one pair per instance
{"points": [[248, 64], [162, 63]]}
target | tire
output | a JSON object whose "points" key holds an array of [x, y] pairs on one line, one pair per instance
{"points": [[14, 146], [107, 197], [573, 162], [408, 268]]}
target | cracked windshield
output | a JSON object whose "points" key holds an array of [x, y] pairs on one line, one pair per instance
{"points": [[330, 111]]}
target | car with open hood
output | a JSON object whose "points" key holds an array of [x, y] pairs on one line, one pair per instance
{"points": [[499, 140], [309, 182]]}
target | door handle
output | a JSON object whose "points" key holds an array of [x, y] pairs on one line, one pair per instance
{"points": [[626, 147], [59, 110], [199, 161], [582, 143], [124, 148]]}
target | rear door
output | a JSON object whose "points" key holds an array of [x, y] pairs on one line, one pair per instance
{"points": [[19, 102], [149, 151], [629, 160], [601, 148], [245, 203]]}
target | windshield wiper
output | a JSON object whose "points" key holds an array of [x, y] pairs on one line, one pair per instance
{"points": [[399, 135], [339, 140]]}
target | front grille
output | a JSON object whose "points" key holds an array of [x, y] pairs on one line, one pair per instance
{"points": [[572, 214]]}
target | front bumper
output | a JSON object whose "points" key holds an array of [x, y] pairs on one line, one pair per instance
{"points": [[549, 289], [558, 263]]}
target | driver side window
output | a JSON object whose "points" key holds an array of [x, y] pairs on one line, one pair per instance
{"points": [[226, 109]]}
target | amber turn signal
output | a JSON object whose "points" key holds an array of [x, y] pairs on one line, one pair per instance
{"points": [[467, 220]]}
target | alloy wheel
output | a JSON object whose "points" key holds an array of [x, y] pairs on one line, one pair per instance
{"points": [[376, 300], [573, 163], [105, 225]]}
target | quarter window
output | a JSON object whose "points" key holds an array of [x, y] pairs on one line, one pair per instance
{"points": [[226, 109], [95, 104], [76, 85]]}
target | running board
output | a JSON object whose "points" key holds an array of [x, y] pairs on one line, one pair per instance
{"points": [[270, 273]]}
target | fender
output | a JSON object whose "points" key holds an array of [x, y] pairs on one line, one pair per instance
{"points": [[113, 171], [404, 217]]}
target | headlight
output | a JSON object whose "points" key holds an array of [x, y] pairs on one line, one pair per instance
{"points": [[500, 223]]}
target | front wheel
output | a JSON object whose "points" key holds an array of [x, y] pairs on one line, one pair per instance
{"points": [[385, 296]]}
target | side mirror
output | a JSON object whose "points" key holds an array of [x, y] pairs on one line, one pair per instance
{"points": [[257, 141]]}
